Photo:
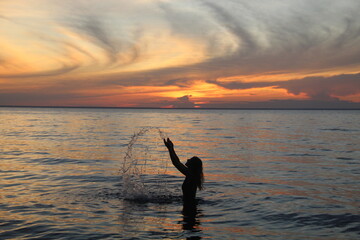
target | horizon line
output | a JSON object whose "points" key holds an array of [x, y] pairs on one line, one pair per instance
{"points": [[264, 108]]}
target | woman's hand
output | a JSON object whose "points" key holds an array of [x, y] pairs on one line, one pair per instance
{"points": [[168, 143]]}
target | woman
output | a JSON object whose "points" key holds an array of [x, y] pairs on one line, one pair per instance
{"points": [[193, 172]]}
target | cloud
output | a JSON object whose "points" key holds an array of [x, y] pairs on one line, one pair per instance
{"points": [[103, 29], [324, 88], [195, 22], [238, 37], [110, 44], [181, 102], [316, 88], [287, 37], [184, 102], [55, 72], [94, 29], [58, 94], [283, 104], [36, 98]]}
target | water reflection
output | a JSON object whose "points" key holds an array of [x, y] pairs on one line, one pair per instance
{"points": [[191, 219], [193, 238]]}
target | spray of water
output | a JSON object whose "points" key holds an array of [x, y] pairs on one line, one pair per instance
{"points": [[144, 167]]}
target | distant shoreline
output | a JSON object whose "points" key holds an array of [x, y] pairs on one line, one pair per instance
{"points": [[149, 108]]}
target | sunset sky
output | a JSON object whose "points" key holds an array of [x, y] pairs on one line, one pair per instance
{"points": [[180, 53]]}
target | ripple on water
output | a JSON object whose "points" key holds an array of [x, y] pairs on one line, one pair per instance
{"points": [[345, 158], [348, 222], [283, 179], [339, 129], [54, 161], [8, 224], [214, 129]]}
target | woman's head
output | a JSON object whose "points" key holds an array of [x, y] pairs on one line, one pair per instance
{"points": [[195, 166]]}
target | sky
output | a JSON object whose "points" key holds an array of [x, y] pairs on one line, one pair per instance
{"points": [[180, 53]]}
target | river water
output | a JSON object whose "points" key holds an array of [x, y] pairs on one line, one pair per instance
{"points": [[269, 174]]}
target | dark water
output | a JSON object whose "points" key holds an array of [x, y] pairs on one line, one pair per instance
{"points": [[269, 174]]}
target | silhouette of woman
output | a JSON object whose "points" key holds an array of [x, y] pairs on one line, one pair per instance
{"points": [[193, 172]]}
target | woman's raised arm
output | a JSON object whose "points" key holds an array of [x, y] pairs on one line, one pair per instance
{"points": [[174, 158]]}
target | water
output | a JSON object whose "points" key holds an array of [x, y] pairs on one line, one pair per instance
{"points": [[268, 174], [143, 175]]}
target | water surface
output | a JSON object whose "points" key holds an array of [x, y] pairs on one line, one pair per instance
{"points": [[270, 174]]}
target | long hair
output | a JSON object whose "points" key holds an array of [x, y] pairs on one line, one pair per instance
{"points": [[197, 170]]}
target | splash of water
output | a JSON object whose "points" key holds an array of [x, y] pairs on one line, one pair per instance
{"points": [[144, 167]]}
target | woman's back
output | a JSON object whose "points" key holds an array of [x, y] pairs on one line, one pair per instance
{"points": [[189, 189]]}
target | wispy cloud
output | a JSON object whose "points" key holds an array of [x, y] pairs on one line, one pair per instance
{"points": [[56, 72], [120, 44]]}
